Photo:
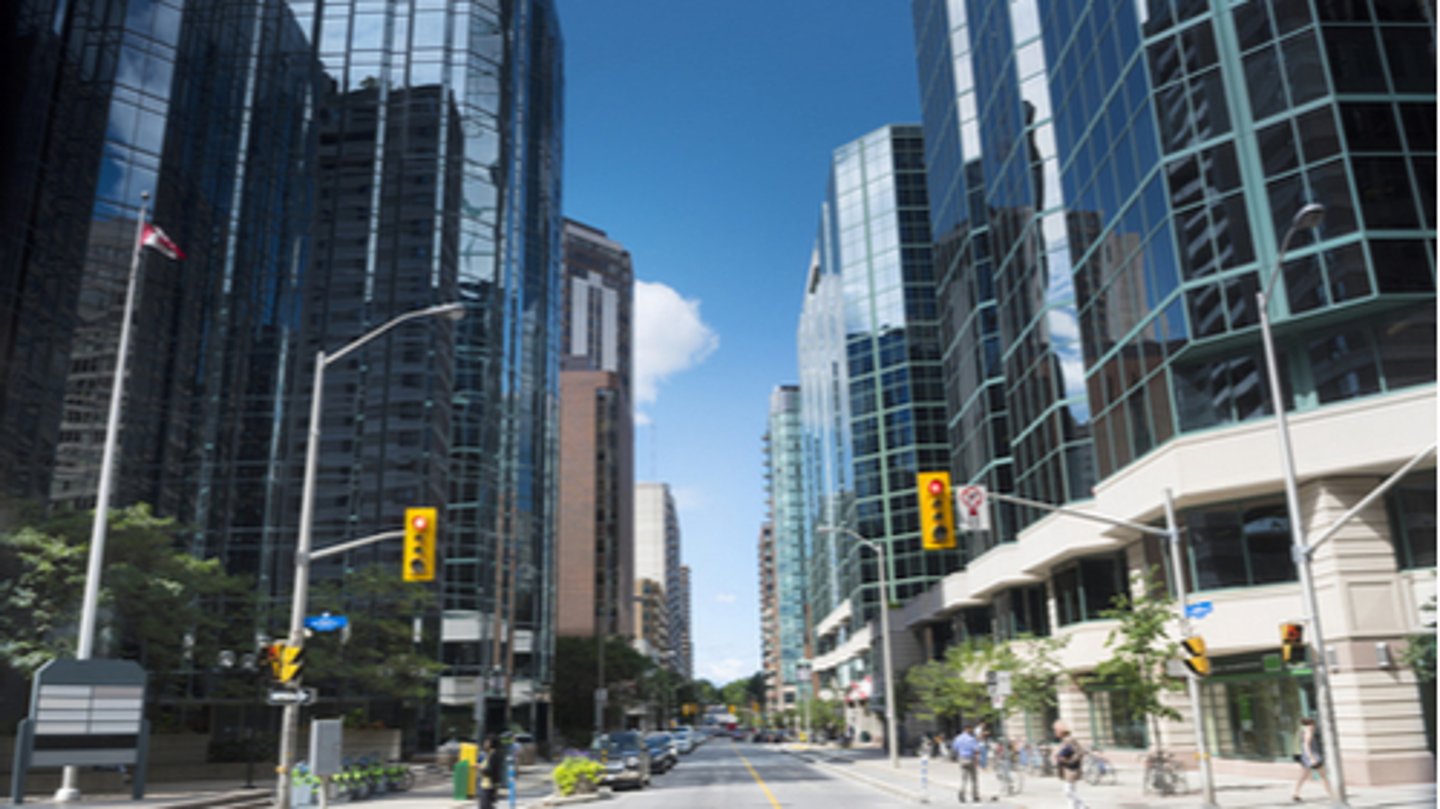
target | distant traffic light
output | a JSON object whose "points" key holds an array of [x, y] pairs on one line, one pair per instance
{"points": [[286, 661], [274, 655], [1292, 642], [419, 556], [937, 511], [1195, 658]]}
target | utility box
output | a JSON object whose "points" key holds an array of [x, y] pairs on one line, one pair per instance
{"points": [[326, 742]]}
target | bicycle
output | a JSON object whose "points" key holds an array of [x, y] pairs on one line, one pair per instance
{"points": [[1097, 769], [1163, 775], [1036, 760], [1008, 771]]}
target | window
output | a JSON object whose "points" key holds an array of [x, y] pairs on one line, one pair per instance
{"points": [[1239, 545], [1112, 723], [1412, 520], [1087, 587]]}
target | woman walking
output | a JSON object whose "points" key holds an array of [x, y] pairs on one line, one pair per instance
{"points": [[1310, 759]]}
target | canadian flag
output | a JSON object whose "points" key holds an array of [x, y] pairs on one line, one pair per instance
{"points": [[156, 238]]}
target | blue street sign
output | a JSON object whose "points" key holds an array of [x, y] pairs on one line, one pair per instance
{"points": [[325, 622], [1199, 609]]}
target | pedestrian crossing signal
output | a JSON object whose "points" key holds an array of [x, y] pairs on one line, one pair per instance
{"points": [[1195, 658], [1292, 642]]}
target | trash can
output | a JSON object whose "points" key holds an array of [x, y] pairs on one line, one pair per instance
{"points": [[460, 781]]}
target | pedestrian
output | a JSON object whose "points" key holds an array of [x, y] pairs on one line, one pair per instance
{"points": [[1068, 760], [1310, 759], [967, 752], [492, 769]]}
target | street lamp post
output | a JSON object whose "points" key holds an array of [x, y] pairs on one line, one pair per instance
{"points": [[290, 720], [1307, 217], [891, 741]]}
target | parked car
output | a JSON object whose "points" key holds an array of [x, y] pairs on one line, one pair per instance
{"points": [[626, 759], [664, 753], [684, 740]]}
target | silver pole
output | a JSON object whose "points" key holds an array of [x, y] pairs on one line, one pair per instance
{"points": [[1202, 741], [89, 601], [890, 738], [1309, 216], [290, 718]]}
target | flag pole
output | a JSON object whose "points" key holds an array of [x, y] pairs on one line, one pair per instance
{"points": [[84, 648]]}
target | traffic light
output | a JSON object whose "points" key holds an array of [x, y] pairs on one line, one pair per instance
{"points": [[419, 562], [1195, 658], [1292, 642], [274, 655], [937, 511]]}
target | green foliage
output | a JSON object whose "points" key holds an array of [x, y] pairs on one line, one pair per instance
{"points": [[380, 657], [1035, 672], [152, 592], [954, 688], [1141, 645], [574, 690], [827, 715], [735, 693], [1419, 654], [577, 773]]}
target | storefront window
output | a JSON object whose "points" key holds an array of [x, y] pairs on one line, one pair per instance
{"points": [[1112, 723], [1253, 705]]}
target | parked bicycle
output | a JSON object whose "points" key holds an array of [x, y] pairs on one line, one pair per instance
{"points": [[1163, 775], [1098, 769], [1007, 768], [1036, 761]]}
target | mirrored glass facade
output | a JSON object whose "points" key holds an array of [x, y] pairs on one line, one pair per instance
{"points": [[1109, 180], [785, 485], [872, 407]]}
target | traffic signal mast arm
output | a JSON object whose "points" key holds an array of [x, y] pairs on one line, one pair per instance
{"points": [[356, 543]]}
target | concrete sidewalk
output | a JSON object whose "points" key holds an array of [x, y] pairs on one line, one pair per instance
{"points": [[942, 785], [432, 791]]}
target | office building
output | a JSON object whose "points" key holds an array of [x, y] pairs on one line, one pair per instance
{"points": [[595, 535], [657, 565], [1119, 178], [872, 411], [785, 489]]}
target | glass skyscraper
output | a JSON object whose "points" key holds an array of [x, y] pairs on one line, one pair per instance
{"points": [[785, 485], [872, 405], [1111, 182], [325, 167]]}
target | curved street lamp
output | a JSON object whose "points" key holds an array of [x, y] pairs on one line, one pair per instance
{"points": [[1307, 217], [291, 720], [891, 742]]}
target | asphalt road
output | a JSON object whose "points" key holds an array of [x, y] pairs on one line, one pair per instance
{"points": [[733, 775]]}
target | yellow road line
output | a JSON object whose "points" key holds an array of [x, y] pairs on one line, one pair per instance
{"points": [[756, 776]]}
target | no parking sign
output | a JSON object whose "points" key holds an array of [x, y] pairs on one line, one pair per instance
{"points": [[972, 508]]}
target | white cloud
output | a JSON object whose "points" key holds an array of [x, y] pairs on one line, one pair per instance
{"points": [[724, 598], [724, 671], [670, 337]]}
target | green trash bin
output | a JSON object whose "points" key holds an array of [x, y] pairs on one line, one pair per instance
{"points": [[460, 781]]}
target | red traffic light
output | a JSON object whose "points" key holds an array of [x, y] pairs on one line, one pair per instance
{"points": [[937, 487], [419, 523]]}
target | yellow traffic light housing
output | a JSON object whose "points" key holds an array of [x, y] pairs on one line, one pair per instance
{"points": [[937, 510], [1195, 658], [1292, 642], [275, 655], [419, 557], [289, 663]]}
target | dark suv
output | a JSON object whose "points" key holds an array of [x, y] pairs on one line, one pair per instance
{"points": [[627, 761]]}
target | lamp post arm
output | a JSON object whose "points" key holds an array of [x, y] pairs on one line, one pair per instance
{"points": [[1376, 493], [355, 543], [441, 309], [1078, 514]]}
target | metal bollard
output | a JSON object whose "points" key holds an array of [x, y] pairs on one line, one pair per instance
{"points": [[925, 777]]}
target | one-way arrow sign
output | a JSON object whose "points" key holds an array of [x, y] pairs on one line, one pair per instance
{"points": [[284, 696]]}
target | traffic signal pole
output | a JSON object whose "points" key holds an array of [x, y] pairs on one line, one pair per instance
{"points": [[1202, 740], [1171, 533]]}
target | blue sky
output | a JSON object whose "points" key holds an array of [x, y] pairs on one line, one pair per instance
{"points": [[699, 136]]}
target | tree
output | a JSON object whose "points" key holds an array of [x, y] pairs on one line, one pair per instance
{"points": [[1419, 654], [574, 690], [1141, 646], [153, 594], [379, 657], [954, 688], [1035, 672]]}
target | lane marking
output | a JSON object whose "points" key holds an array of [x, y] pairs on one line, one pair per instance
{"points": [[756, 776]]}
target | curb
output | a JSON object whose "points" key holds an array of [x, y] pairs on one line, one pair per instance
{"points": [[913, 797]]}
